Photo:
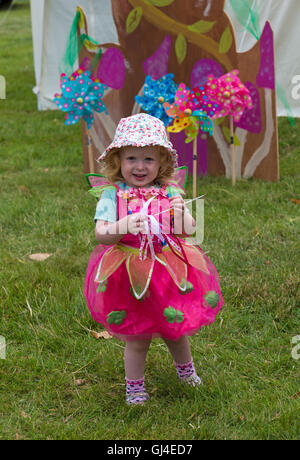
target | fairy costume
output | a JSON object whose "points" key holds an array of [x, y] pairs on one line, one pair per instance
{"points": [[141, 288], [155, 284]]}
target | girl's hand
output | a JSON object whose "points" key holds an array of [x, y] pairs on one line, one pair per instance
{"points": [[178, 205], [136, 223]]}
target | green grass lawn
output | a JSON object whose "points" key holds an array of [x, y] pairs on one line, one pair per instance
{"points": [[58, 381]]}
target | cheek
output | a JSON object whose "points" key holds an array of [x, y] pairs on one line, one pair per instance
{"points": [[155, 167]]}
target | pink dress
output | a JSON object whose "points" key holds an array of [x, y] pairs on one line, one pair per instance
{"points": [[164, 288]]}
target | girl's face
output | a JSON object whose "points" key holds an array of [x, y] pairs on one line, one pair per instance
{"points": [[140, 165]]}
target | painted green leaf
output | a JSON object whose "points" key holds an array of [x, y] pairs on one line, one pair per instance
{"points": [[212, 298], [226, 132], [180, 48], [116, 317], [133, 19], [202, 26], [160, 3], [226, 41]]}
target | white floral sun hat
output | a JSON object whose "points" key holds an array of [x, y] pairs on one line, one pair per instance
{"points": [[141, 130]]}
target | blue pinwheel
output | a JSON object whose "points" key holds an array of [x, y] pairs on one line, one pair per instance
{"points": [[81, 94], [156, 93]]}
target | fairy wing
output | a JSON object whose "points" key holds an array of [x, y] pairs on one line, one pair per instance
{"points": [[178, 184], [99, 183]]}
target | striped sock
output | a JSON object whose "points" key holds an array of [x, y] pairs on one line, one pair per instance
{"points": [[135, 391], [187, 374]]}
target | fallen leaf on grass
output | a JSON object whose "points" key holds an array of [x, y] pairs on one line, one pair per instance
{"points": [[23, 188], [296, 396], [99, 335], [80, 382], [295, 201], [24, 415], [39, 256]]}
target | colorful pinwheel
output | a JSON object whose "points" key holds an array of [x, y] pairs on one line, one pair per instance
{"points": [[81, 94], [156, 92], [229, 92], [191, 110], [234, 97]]}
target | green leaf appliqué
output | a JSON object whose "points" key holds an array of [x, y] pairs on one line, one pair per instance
{"points": [[116, 317], [212, 298], [173, 315], [189, 288]]}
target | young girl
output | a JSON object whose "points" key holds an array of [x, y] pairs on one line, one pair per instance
{"points": [[144, 280]]}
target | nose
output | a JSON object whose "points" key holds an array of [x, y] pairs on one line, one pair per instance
{"points": [[140, 165]]}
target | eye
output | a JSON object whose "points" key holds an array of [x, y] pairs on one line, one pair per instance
{"points": [[149, 159], [131, 158]]}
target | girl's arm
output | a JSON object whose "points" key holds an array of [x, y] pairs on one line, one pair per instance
{"points": [[184, 223], [112, 232]]}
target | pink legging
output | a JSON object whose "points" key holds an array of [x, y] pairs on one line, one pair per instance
{"points": [[136, 353]]}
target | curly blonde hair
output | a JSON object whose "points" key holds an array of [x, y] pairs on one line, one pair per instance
{"points": [[110, 166]]}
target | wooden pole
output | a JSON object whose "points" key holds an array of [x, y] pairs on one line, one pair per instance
{"points": [[90, 154], [195, 167], [233, 173]]}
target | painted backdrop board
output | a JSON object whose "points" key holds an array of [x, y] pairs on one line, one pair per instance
{"points": [[156, 40]]}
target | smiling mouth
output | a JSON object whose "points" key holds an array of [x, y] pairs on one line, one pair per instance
{"points": [[140, 176]]}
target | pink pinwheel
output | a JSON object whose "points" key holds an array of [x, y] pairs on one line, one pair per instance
{"points": [[229, 92], [186, 114], [192, 111], [234, 97]]}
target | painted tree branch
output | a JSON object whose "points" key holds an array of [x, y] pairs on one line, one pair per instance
{"points": [[263, 151], [164, 22]]}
